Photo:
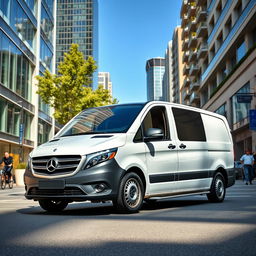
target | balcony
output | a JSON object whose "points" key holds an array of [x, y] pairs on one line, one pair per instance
{"points": [[184, 7], [185, 56], [201, 15], [184, 33], [193, 70], [192, 56], [186, 95], [202, 29], [192, 10], [184, 20], [192, 26], [186, 83], [201, 2], [185, 45], [192, 41], [194, 86], [186, 70], [194, 98], [202, 52]]}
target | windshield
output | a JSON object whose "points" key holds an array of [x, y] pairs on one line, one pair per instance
{"points": [[110, 119]]}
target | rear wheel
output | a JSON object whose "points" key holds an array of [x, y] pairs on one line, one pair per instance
{"points": [[131, 193], [53, 205], [218, 189], [10, 184]]}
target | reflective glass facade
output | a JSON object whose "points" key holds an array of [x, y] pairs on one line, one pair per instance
{"points": [[19, 64], [155, 71], [15, 68], [77, 22]]}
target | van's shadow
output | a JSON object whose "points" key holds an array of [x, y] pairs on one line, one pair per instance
{"points": [[86, 209]]}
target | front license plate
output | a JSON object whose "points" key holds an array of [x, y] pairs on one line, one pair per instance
{"points": [[51, 184]]}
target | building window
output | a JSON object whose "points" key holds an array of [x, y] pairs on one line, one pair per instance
{"points": [[240, 110], [222, 110], [228, 26], [43, 131], [189, 125], [241, 51], [16, 70]]}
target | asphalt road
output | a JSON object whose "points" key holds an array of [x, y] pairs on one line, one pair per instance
{"points": [[184, 226]]}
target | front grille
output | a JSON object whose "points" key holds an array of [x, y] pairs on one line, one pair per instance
{"points": [[63, 164], [56, 192]]}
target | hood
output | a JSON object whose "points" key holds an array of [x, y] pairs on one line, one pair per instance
{"points": [[80, 144]]}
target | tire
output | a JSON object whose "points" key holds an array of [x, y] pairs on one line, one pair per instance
{"points": [[3, 182], [218, 189], [130, 195], [10, 184], [53, 205]]}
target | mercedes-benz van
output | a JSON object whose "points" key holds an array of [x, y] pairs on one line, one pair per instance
{"points": [[128, 153]]}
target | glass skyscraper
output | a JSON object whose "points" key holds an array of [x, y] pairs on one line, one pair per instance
{"points": [[155, 71], [26, 49], [77, 22]]}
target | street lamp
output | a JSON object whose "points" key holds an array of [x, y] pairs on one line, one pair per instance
{"points": [[21, 130]]}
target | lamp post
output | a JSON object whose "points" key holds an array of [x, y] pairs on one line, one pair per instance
{"points": [[21, 131]]}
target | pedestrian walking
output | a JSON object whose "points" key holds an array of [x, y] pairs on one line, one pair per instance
{"points": [[248, 160]]}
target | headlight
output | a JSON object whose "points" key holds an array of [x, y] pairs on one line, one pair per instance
{"points": [[99, 157]]}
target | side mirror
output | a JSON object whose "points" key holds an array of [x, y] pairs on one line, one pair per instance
{"points": [[153, 134]]}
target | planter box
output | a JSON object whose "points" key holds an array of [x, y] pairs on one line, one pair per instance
{"points": [[19, 177]]}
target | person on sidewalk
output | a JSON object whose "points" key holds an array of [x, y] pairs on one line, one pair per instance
{"points": [[247, 160], [8, 162]]}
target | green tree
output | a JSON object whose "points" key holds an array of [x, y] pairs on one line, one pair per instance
{"points": [[68, 92]]}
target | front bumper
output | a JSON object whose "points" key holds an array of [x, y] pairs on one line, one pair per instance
{"points": [[100, 182]]}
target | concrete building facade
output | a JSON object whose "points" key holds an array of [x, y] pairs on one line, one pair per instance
{"points": [[27, 40], [168, 76], [104, 79], [177, 66], [224, 62]]}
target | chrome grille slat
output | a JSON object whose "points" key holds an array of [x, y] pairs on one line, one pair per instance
{"points": [[66, 165]]}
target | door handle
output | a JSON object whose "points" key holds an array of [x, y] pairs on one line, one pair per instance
{"points": [[171, 146], [182, 146]]}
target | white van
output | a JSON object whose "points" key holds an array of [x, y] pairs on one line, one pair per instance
{"points": [[128, 153]]}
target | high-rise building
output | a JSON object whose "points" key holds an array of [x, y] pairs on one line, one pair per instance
{"points": [[168, 76], [155, 69], [105, 80], [220, 41], [77, 22], [177, 66], [26, 49]]}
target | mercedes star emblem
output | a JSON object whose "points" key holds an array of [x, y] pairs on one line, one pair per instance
{"points": [[52, 164]]}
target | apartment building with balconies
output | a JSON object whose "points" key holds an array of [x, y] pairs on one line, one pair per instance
{"points": [[229, 66], [194, 37]]}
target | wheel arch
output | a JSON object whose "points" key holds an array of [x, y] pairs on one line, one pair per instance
{"points": [[223, 171], [140, 173]]}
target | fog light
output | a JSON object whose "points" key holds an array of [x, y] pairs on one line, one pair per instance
{"points": [[99, 187]]}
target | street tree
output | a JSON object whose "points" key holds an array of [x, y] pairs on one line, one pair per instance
{"points": [[69, 91]]}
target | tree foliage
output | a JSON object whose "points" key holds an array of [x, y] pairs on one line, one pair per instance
{"points": [[69, 91]]}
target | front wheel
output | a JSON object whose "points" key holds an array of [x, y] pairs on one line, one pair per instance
{"points": [[218, 189], [131, 194], [53, 205], [3, 181]]}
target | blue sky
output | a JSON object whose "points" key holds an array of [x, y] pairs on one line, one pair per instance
{"points": [[130, 32]]}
